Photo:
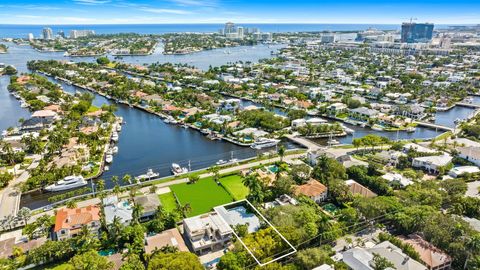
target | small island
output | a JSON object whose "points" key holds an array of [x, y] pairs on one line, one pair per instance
{"points": [[3, 48]]}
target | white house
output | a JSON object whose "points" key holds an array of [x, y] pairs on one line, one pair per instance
{"points": [[206, 233], [470, 153], [432, 163]]}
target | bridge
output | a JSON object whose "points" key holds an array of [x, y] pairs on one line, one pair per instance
{"points": [[469, 105], [435, 126], [304, 142]]}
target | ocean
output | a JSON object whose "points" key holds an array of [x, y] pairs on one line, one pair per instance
{"points": [[22, 31]]}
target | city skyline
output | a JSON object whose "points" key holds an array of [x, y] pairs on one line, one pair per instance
{"points": [[219, 11]]}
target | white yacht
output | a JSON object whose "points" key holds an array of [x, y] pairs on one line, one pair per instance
{"points": [[264, 143], [411, 129], [115, 149], [149, 175], [176, 169], [66, 183], [221, 162], [115, 137], [109, 158], [119, 128]]}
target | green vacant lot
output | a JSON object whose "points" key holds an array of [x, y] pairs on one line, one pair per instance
{"points": [[234, 185], [202, 196], [168, 201]]}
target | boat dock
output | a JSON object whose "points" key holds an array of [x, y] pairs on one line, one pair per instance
{"points": [[469, 105]]}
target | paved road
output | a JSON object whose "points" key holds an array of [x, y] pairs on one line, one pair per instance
{"points": [[10, 196]]}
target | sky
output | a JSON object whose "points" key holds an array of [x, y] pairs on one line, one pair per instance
{"points": [[239, 11]]}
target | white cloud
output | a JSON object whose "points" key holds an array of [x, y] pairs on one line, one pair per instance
{"points": [[198, 3], [92, 2], [165, 11]]}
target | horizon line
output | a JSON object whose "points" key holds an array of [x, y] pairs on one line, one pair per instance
{"points": [[210, 23]]}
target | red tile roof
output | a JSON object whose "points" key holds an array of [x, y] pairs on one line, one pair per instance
{"points": [[67, 218]]}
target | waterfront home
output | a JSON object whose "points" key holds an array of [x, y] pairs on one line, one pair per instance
{"points": [[336, 108], [312, 156], [357, 189], [229, 105], [256, 133], [470, 153], [431, 256], [359, 258], [217, 119], [432, 164], [298, 123], [69, 222], [45, 114], [363, 113], [314, 190], [414, 111], [35, 124], [114, 208], [349, 161], [149, 204], [316, 121], [206, 233], [171, 238], [396, 178]]}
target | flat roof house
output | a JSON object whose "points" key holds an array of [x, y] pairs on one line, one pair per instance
{"points": [[470, 153], [206, 233], [314, 190], [432, 164], [69, 222]]}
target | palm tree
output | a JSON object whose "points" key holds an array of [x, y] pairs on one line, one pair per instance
{"points": [[71, 204], [193, 178], [127, 178], [117, 189], [137, 212], [185, 209], [281, 152], [255, 187], [214, 170], [100, 185]]}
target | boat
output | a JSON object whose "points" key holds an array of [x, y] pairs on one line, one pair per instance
{"points": [[221, 162], [351, 122], [109, 158], [264, 143], [468, 100], [108, 96], [411, 129], [115, 137], [106, 168], [68, 182], [176, 169], [205, 131], [363, 125], [347, 129], [166, 121], [377, 127], [184, 126], [119, 128], [233, 160], [333, 142], [115, 149], [149, 175]]}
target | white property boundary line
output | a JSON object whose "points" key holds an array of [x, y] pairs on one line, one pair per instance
{"points": [[245, 246]]}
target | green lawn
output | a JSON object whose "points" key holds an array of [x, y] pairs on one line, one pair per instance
{"points": [[202, 196], [234, 185], [168, 201]]}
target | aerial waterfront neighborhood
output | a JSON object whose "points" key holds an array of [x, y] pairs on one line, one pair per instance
{"points": [[239, 146]]}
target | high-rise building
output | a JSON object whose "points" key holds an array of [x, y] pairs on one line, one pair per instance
{"points": [[31, 37], [229, 28], [417, 32], [328, 38], [61, 34], [81, 33], [240, 32], [47, 33]]}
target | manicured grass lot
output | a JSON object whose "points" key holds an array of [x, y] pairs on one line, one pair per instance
{"points": [[202, 196], [234, 185], [168, 201]]}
